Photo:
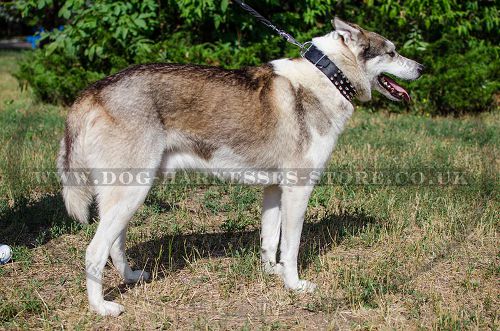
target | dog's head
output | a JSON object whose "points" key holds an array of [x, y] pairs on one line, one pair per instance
{"points": [[376, 56]]}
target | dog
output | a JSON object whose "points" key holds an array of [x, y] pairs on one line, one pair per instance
{"points": [[285, 114]]}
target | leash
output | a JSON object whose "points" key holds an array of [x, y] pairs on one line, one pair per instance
{"points": [[269, 24], [311, 53]]}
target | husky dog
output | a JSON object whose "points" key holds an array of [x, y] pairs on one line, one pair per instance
{"points": [[282, 115]]}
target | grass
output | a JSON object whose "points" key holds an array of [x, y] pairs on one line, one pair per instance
{"points": [[384, 256]]}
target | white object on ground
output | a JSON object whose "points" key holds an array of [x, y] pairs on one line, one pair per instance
{"points": [[5, 254]]}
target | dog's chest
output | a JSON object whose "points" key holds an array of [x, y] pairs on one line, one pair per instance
{"points": [[324, 138]]}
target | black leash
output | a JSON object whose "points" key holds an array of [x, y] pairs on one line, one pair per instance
{"points": [[312, 54], [268, 23]]}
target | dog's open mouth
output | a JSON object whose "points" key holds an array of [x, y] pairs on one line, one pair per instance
{"points": [[393, 88]]}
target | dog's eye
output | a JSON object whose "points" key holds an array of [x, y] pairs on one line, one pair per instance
{"points": [[392, 54]]}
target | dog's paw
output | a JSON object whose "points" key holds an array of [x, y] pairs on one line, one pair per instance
{"points": [[108, 308], [136, 276], [303, 286]]}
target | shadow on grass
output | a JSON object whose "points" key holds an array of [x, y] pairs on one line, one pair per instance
{"points": [[34, 223], [174, 252]]}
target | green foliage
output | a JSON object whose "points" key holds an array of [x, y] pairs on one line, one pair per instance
{"points": [[456, 40], [55, 78], [461, 82], [101, 38], [40, 13]]}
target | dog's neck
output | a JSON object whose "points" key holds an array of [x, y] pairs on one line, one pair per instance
{"points": [[333, 46]]}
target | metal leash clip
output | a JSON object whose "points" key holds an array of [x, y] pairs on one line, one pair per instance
{"points": [[303, 49]]}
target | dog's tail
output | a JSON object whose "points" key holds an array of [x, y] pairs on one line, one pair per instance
{"points": [[72, 167]]}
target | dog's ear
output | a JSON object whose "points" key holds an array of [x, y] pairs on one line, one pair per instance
{"points": [[348, 31]]}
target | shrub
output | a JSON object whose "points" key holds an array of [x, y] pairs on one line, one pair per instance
{"points": [[56, 78], [457, 41], [460, 83]]}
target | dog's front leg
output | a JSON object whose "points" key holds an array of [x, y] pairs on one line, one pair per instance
{"points": [[293, 207]]}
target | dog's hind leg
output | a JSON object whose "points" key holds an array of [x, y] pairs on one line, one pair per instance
{"points": [[271, 223], [117, 204], [120, 261]]}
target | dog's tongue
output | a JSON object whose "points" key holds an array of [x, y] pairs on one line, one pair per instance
{"points": [[398, 88]]}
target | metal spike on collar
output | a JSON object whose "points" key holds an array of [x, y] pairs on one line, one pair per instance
{"points": [[331, 71]]}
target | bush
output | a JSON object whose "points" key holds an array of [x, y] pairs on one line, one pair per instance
{"points": [[457, 41], [56, 78], [461, 83]]}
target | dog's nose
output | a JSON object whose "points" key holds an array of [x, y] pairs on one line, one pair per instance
{"points": [[420, 69]]}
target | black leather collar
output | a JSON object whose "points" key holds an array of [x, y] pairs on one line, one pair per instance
{"points": [[334, 74]]}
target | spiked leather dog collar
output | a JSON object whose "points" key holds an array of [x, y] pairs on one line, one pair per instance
{"points": [[334, 74]]}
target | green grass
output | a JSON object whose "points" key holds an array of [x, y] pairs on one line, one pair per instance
{"points": [[384, 256]]}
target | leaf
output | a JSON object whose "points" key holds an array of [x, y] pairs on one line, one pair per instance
{"points": [[50, 48], [91, 52], [223, 5], [99, 51], [41, 4], [64, 12], [140, 23]]}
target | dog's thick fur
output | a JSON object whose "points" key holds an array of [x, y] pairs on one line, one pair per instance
{"points": [[282, 115]]}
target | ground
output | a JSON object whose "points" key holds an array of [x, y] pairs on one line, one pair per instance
{"points": [[390, 254]]}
